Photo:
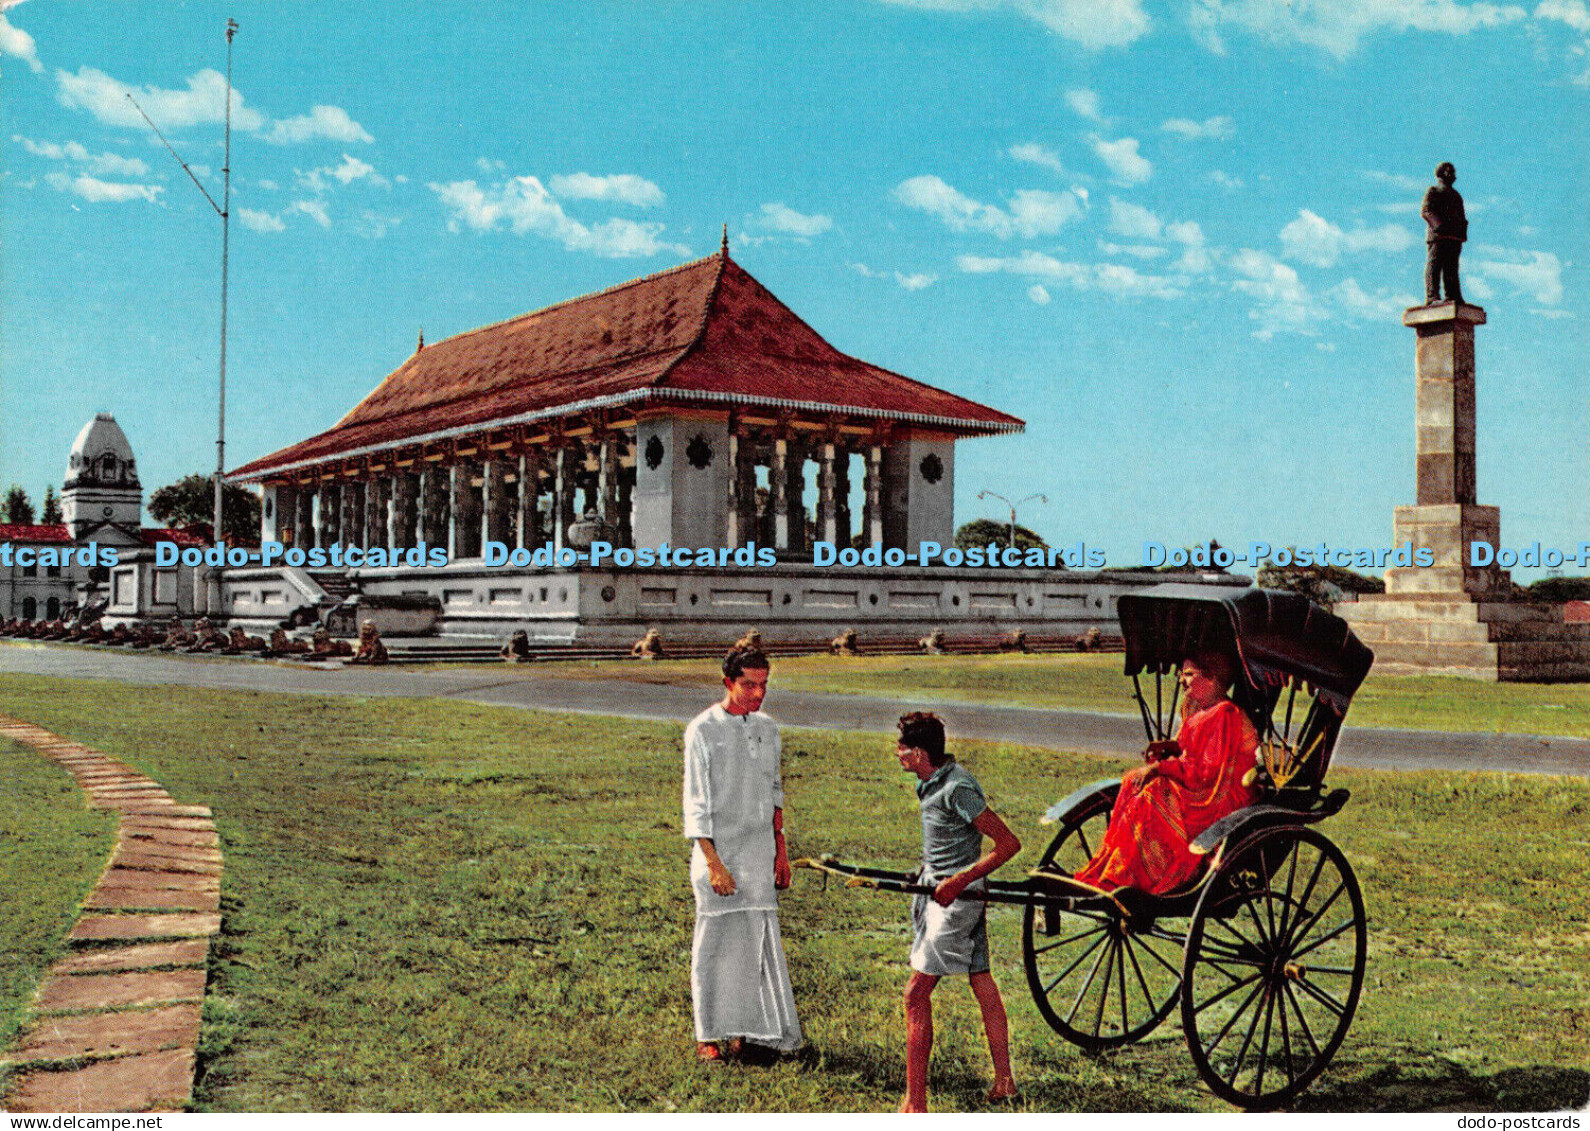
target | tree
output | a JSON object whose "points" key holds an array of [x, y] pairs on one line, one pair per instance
{"points": [[52, 507], [190, 501], [18, 507], [982, 531], [1558, 589], [1324, 585]]}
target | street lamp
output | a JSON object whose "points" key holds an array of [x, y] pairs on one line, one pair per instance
{"points": [[224, 211], [994, 495]]}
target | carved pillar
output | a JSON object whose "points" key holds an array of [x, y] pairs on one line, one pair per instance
{"points": [[527, 503], [742, 494], [563, 516], [463, 530], [607, 482], [304, 528], [795, 468], [327, 528], [778, 493], [842, 497], [350, 517], [400, 511], [872, 516], [433, 504], [497, 502], [375, 511], [827, 524], [626, 506]]}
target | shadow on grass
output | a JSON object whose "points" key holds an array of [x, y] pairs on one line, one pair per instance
{"points": [[1434, 1083]]}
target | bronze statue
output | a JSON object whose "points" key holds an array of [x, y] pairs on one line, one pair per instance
{"points": [[1443, 214], [322, 646], [283, 645]]}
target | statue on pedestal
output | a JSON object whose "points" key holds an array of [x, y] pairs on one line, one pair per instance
{"points": [[1442, 210]]}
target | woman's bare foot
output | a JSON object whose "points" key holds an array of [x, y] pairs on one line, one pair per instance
{"points": [[906, 1108], [1001, 1091], [706, 1050], [734, 1048]]}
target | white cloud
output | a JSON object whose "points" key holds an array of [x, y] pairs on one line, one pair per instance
{"points": [[1219, 128], [1035, 154], [1032, 212], [1195, 257], [1574, 13], [330, 123], [915, 282], [203, 102], [1338, 26], [314, 209], [1092, 23], [1284, 303], [257, 221], [1038, 295], [1085, 103], [1122, 158], [375, 225], [1399, 181], [96, 191], [1224, 180], [1135, 250], [779, 217], [1133, 221], [1358, 303], [525, 206], [1111, 278], [19, 45], [624, 188], [1537, 274], [1316, 241], [98, 164]]}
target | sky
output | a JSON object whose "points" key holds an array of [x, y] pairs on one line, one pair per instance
{"points": [[1176, 238]]}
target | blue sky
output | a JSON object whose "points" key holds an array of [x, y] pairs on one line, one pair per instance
{"points": [[1176, 238]]}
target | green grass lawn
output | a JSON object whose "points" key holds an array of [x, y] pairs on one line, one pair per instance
{"points": [[439, 906], [1095, 683], [52, 849]]}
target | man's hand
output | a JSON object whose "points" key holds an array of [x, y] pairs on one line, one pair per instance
{"points": [[722, 880], [949, 890]]}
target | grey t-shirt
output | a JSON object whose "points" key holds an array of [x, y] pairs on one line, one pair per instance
{"points": [[951, 801]]}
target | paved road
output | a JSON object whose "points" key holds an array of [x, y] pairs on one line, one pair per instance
{"points": [[524, 688]]}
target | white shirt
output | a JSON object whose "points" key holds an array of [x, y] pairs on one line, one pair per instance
{"points": [[732, 785]]}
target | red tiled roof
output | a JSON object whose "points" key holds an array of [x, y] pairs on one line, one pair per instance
{"points": [[179, 537], [34, 532], [705, 332]]}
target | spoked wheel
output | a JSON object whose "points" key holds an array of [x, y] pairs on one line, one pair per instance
{"points": [[1273, 967], [1098, 979]]}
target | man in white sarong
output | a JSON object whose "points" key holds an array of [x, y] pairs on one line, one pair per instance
{"points": [[734, 812]]}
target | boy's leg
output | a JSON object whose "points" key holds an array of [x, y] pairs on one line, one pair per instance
{"points": [[997, 1030], [918, 1038]]}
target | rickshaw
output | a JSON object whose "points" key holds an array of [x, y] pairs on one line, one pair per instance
{"points": [[1263, 955]]}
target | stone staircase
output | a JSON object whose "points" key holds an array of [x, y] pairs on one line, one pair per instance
{"points": [[1445, 634]]}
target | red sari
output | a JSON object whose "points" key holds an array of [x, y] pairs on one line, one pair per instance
{"points": [[1152, 823]]}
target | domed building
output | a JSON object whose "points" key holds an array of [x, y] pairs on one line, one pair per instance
{"points": [[54, 568]]}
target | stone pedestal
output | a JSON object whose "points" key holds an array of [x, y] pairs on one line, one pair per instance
{"points": [[1450, 617]]}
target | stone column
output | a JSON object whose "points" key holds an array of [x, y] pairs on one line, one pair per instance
{"points": [[305, 526], [842, 497], [497, 502], [463, 531], [607, 482], [400, 511], [279, 514], [433, 504], [626, 506], [563, 501], [872, 514], [1445, 516], [350, 516], [375, 512], [527, 514], [827, 524], [778, 493], [328, 529], [742, 494]]}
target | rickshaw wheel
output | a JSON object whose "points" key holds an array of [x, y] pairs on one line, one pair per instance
{"points": [[1099, 980], [1273, 967]]}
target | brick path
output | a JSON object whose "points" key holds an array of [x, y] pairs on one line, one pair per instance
{"points": [[115, 1022]]}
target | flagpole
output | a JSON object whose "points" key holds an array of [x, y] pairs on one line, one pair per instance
{"points": [[226, 233]]}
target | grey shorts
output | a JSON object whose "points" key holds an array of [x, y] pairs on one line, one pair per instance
{"points": [[949, 940]]}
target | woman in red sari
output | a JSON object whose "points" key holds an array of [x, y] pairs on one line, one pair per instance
{"points": [[1187, 785]]}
